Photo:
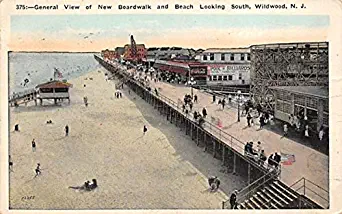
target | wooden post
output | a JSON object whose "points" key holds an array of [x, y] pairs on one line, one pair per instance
{"points": [[223, 155], [249, 173], [205, 141], [197, 136], [176, 117], [214, 148], [234, 163], [191, 131]]}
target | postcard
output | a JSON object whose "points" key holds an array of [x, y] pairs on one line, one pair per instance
{"points": [[163, 106]]}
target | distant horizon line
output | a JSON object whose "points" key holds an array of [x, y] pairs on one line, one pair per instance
{"points": [[54, 51]]}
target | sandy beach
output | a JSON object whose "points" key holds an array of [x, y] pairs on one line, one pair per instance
{"points": [[163, 169]]}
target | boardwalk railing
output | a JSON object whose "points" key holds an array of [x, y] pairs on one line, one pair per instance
{"points": [[313, 191], [223, 136], [251, 189]]}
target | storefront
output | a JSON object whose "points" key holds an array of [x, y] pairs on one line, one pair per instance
{"points": [[232, 74], [199, 72]]}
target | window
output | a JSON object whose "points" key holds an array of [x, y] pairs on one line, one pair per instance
{"points": [[222, 57], [219, 78], [240, 76], [58, 90], [232, 57], [242, 57], [211, 56], [205, 57], [46, 90], [214, 78], [230, 77], [312, 102], [225, 78], [248, 57]]}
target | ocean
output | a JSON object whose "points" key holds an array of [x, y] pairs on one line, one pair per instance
{"points": [[38, 68]]}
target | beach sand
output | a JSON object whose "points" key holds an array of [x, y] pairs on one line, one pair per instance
{"points": [[162, 169]]}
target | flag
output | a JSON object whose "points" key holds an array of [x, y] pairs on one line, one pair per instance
{"points": [[287, 159], [57, 74]]}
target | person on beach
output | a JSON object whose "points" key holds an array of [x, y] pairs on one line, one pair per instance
{"points": [[33, 145], [10, 163], [232, 199], [37, 170], [204, 112], [85, 100], [66, 130], [145, 129], [16, 127]]}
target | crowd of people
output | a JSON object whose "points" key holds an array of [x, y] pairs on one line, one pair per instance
{"points": [[259, 156]]}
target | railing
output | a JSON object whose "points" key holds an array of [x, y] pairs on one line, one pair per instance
{"points": [[223, 136], [21, 94], [225, 88], [250, 190], [312, 191]]}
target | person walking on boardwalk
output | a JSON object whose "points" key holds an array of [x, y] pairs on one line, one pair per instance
{"points": [[37, 170], [249, 117], [285, 130], [214, 98], [145, 129], [33, 145], [190, 105], [262, 121], [223, 102], [66, 130], [195, 98], [204, 112]]}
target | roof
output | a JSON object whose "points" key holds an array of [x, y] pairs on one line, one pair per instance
{"points": [[227, 50], [316, 91], [314, 45], [54, 84]]}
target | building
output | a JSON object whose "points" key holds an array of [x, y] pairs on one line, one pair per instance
{"points": [[119, 52], [108, 54], [181, 68], [287, 64], [141, 52], [167, 53], [312, 101], [227, 66], [199, 72], [55, 90]]}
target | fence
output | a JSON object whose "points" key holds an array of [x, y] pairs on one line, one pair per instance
{"points": [[311, 190]]}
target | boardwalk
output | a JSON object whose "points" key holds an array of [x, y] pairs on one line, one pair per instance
{"points": [[309, 163]]}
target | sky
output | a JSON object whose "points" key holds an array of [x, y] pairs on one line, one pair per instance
{"points": [[98, 32]]}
